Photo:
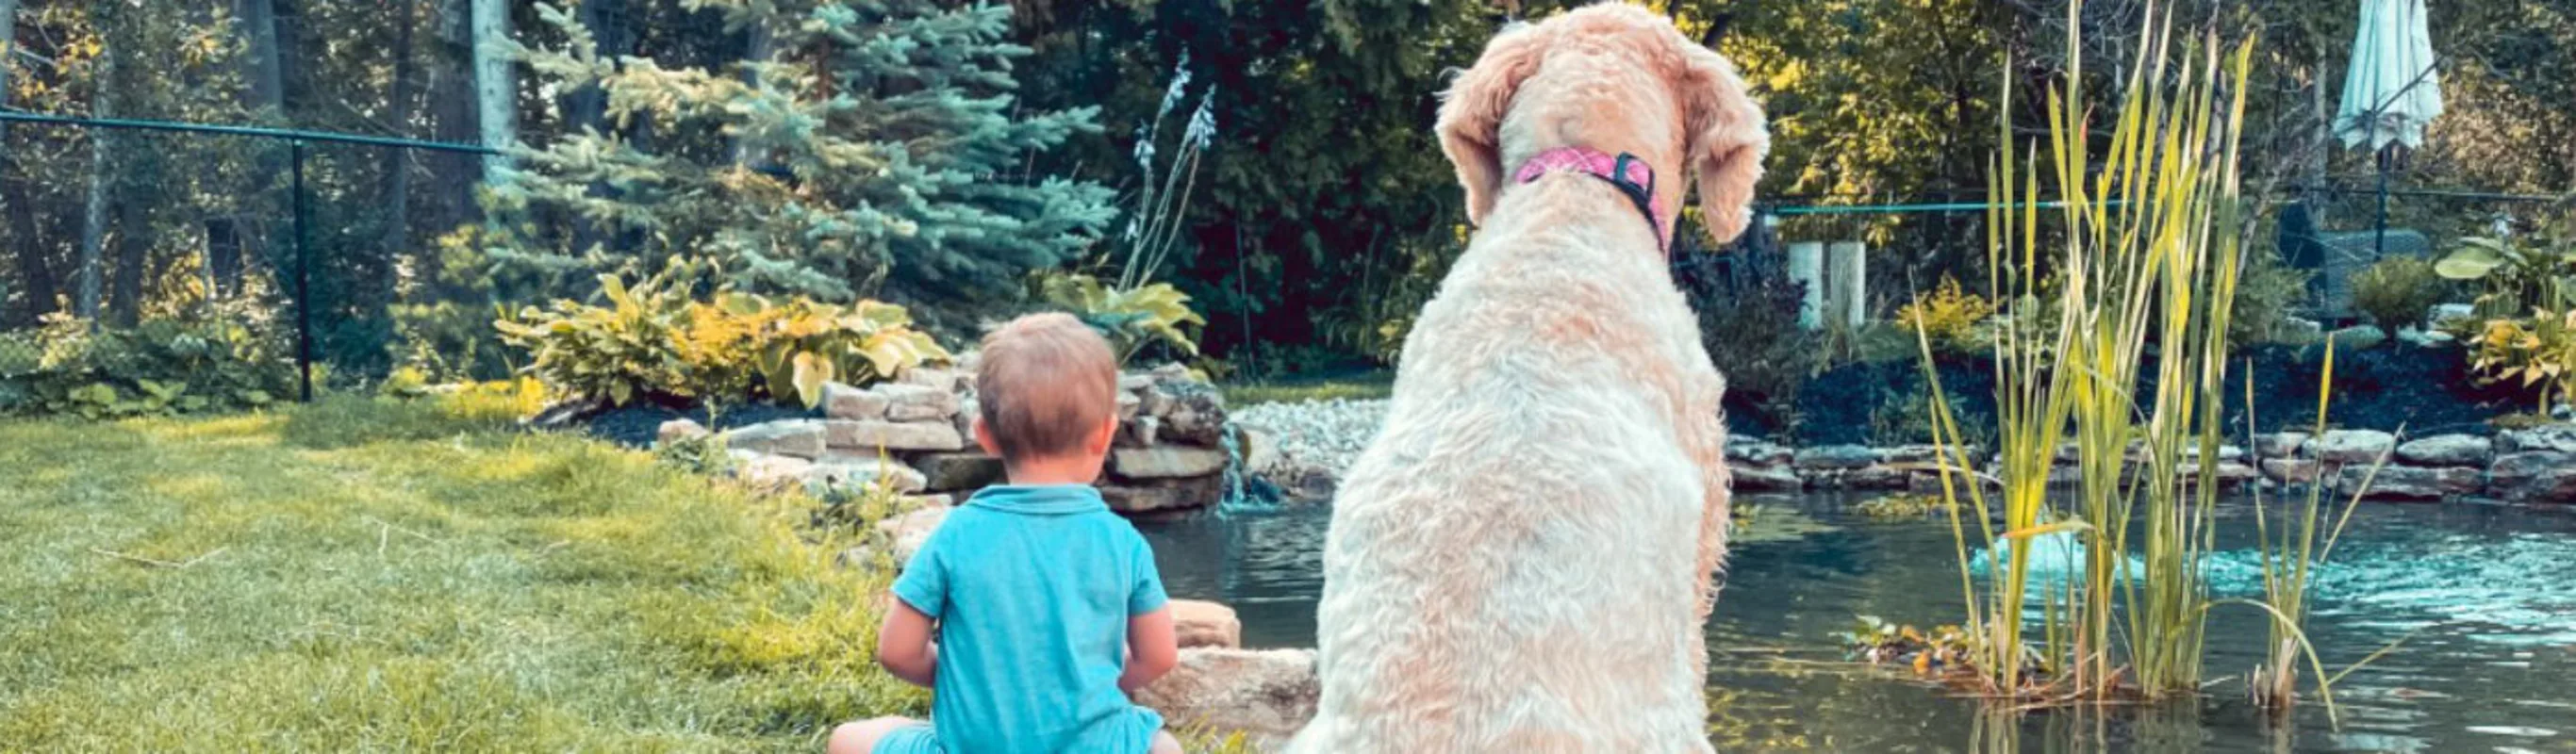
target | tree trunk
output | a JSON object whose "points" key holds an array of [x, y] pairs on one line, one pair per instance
{"points": [[264, 69], [133, 245], [103, 143], [495, 89], [35, 277], [397, 162], [449, 200]]}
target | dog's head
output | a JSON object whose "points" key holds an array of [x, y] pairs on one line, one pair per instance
{"points": [[1616, 78]]}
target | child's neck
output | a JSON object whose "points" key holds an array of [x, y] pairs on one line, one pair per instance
{"points": [[1035, 471]]}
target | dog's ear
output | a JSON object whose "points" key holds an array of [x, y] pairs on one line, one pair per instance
{"points": [[1471, 114], [1727, 139]]}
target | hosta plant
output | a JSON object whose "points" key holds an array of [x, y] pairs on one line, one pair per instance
{"points": [[1130, 317], [2518, 273], [2532, 352], [799, 344], [626, 350]]}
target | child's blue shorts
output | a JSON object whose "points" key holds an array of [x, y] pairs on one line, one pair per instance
{"points": [[917, 738]]}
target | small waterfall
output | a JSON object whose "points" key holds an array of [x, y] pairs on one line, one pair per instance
{"points": [[1238, 480]]}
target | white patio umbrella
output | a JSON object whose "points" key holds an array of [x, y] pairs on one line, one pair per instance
{"points": [[2391, 90]]}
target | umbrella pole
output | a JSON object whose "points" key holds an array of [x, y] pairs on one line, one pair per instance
{"points": [[2379, 241]]}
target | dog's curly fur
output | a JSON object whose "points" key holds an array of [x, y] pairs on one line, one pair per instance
{"points": [[1523, 559]]}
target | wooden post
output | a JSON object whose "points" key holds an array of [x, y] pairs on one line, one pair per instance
{"points": [[1807, 266], [1845, 301]]}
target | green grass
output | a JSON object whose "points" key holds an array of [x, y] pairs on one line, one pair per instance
{"points": [[1369, 386], [371, 575]]}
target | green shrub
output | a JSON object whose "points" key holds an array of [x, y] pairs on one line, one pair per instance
{"points": [[1953, 319], [2533, 351], [2517, 274], [2268, 293], [1130, 318], [653, 340], [2397, 292], [209, 358], [1754, 336]]}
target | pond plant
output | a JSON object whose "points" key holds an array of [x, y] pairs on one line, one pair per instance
{"points": [[2144, 246]]}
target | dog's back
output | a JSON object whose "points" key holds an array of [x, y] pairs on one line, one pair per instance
{"points": [[1510, 566]]}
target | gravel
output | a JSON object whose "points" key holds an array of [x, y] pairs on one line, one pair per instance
{"points": [[1320, 433]]}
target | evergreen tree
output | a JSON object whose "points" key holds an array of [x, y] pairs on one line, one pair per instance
{"points": [[868, 149]]}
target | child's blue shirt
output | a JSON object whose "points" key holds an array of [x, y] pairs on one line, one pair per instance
{"points": [[1032, 587]]}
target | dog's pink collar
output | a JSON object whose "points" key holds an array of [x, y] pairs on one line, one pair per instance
{"points": [[1632, 176]]}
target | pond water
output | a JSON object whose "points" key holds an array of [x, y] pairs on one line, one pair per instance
{"points": [[2485, 598]]}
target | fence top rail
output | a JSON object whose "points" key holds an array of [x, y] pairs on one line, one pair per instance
{"points": [[21, 116]]}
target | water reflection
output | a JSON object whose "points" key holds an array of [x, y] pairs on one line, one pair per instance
{"points": [[2483, 597]]}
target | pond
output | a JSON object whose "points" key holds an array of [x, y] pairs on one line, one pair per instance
{"points": [[2484, 598]]}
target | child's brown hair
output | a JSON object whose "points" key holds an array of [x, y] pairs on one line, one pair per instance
{"points": [[1046, 383]]}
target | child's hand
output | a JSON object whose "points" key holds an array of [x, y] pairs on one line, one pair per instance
{"points": [[904, 648], [1152, 650]]}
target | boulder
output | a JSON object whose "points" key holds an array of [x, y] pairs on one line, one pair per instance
{"points": [[1166, 462], [871, 436], [845, 402], [1205, 624], [1765, 478], [1306, 482], [2291, 470], [855, 471], [968, 410], [957, 472], [2534, 476], [2191, 452], [1758, 453], [1260, 450], [1196, 414], [1164, 495], [2352, 446], [2228, 472], [775, 472], [935, 378], [1129, 407], [677, 430], [802, 438], [908, 402], [2410, 482], [1135, 382], [2279, 444], [910, 531], [2357, 338], [1267, 694], [2447, 450], [1837, 457], [1141, 432], [2554, 438], [1172, 372], [1875, 478]]}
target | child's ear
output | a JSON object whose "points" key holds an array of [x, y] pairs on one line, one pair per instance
{"points": [[1102, 437], [984, 439]]}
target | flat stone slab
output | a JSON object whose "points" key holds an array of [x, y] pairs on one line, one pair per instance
{"points": [[1267, 694], [891, 436], [801, 438], [1166, 462]]}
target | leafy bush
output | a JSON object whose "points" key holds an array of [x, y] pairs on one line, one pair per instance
{"points": [[655, 341], [2268, 293], [1953, 319], [2530, 352], [1130, 317], [627, 350], [2518, 273], [210, 358], [2397, 292], [1754, 336]]}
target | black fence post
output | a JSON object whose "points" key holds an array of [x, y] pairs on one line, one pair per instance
{"points": [[303, 282]]}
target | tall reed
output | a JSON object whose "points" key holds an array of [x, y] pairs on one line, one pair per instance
{"points": [[2144, 246]]}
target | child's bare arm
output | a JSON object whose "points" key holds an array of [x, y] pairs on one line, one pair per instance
{"points": [[904, 648], [1152, 649]]}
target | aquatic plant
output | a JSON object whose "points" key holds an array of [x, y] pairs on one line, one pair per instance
{"points": [[2148, 247], [2291, 550]]}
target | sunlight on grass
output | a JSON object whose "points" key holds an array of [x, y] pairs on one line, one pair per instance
{"points": [[1362, 388], [371, 574]]}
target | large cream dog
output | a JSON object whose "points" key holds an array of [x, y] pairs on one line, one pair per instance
{"points": [[1522, 560]]}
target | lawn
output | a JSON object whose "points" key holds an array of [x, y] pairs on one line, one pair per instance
{"points": [[370, 575]]}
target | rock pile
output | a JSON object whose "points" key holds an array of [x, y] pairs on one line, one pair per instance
{"points": [[916, 433]]}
